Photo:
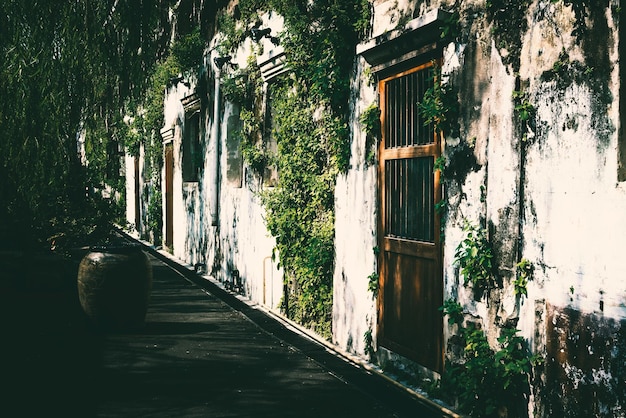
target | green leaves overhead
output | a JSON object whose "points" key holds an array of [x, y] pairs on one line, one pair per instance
{"points": [[67, 68]]}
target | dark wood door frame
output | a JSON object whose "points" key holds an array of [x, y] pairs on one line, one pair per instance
{"points": [[411, 273]]}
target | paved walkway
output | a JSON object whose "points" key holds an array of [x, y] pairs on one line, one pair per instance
{"points": [[202, 353]]}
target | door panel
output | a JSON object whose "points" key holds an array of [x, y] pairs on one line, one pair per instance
{"points": [[411, 286], [411, 323]]}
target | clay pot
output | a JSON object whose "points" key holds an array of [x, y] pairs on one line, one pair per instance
{"points": [[114, 285]]}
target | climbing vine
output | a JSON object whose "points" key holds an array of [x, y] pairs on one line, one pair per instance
{"points": [[524, 273], [370, 120], [509, 20], [310, 113], [487, 382], [145, 120], [474, 256]]}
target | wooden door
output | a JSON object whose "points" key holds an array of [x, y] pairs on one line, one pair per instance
{"points": [[169, 197], [411, 285]]}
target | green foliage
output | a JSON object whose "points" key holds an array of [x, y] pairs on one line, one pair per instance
{"points": [[450, 27], [453, 310], [370, 120], [440, 165], [245, 88], [441, 207], [524, 108], [509, 20], [234, 34], [310, 111], [524, 274], [438, 105], [474, 256], [486, 382], [372, 284], [368, 340], [155, 217], [56, 82], [145, 119], [188, 50], [300, 209]]}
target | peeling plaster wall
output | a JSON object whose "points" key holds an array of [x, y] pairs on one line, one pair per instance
{"points": [[572, 227], [238, 250], [246, 245], [354, 306], [574, 230], [549, 195]]}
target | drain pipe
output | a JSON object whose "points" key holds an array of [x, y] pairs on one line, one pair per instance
{"points": [[215, 132]]}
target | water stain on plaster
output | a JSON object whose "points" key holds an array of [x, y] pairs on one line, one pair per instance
{"points": [[585, 364]]}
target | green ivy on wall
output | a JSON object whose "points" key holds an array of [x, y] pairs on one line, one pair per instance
{"points": [[509, 20], [310, 110], [487, 382], [300, 209], [146, 121], [370, 120]]}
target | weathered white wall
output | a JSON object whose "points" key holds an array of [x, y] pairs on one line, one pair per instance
{"points": [[558, 204], [575, 228], [572, 227], [246, 245], [239, 242], [354, 306]]}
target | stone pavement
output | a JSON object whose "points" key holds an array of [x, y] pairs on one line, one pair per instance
{"points": [[202, 353]]}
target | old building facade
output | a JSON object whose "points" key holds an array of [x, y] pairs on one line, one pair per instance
{"points": [[495, 185]]}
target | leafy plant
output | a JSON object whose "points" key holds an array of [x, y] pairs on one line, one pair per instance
{"points": [[524, 274], [372, 284], [368, 340], [440, 165], [309, 112], [486, 382], [453, 310], [450, 27], [188, 49], [370, 119], [523, 106], [474, 256], [441, 206], [435, 105]]}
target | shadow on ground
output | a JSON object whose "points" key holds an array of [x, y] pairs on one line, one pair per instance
{"points": [[196, 356]]}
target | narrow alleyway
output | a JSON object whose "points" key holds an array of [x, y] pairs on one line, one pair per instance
{"points": [[201, 354]]}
